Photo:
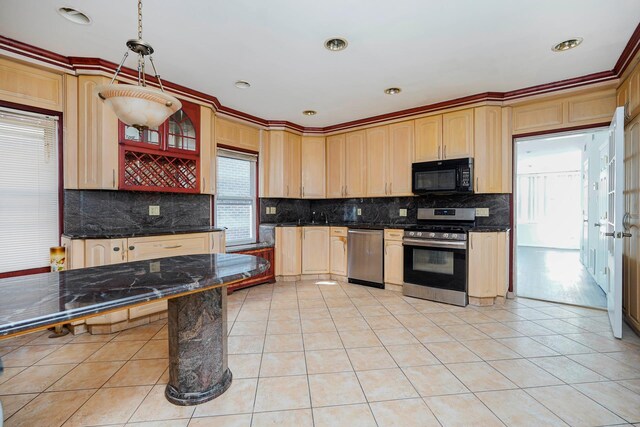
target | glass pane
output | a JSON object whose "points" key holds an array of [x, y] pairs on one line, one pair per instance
{"points": [[234, 177], [440, 262], [237, 216], [181, 128], [150, 136]]}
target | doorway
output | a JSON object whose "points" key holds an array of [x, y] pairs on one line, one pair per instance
{"points": [[559, 201]]}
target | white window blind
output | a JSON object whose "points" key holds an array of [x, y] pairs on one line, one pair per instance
{"points": [[29, 222]]}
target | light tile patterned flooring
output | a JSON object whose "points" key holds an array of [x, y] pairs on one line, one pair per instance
{"points": [[306, 354]]}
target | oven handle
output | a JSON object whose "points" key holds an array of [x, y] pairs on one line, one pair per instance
{"points": [[434, 243]]}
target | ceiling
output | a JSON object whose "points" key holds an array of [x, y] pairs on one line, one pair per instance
{"points": [[434, 50]]}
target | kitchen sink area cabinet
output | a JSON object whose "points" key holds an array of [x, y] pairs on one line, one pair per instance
{"points": [[280, 170], [488, 267], [338, 252], [335, 166], [288, 245], [315, 250], [428, 138], [313, 160], [393, 259], [457, 134]]}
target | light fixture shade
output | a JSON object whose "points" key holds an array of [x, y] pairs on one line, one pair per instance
{"points": [[138, 106]]}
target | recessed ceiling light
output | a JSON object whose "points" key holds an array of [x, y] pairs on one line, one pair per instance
{"points": [[74, 15], [567, 44], [309, 112], [336, 44], [392, 90], [241, 84]]}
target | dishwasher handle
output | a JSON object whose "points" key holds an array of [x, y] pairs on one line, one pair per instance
{"points": [[360, 231]]}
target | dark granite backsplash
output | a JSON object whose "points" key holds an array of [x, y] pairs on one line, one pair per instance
{"points": [[90, 211], [384, 210]]}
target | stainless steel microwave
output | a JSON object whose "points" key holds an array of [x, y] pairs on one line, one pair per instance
{"points": [[443, 176]]}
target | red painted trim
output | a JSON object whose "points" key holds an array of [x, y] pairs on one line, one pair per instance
{"points": [[567, 129], [34, 52], [25, 272], [628, 53], [574, 82]]}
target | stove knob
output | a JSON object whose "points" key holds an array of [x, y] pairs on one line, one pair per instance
{"points": [[411, 233], [454, 236], [432, 234], [419, 234], [445, 235]]}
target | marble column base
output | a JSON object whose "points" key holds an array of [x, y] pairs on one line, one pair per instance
{"points": [[198, 370]]}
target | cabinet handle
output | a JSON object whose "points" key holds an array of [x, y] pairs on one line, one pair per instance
{"points": [[439, 149], [303, 191], [204, 184], [385, 188], [116, 249], [390, 190], [287, 189], [113, 178], [445, 152], [471, 240], [477, 183], [131, 248], [172, 247]]}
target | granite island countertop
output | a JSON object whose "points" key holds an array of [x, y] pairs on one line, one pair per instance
{"points": [[42, 300], [138, 232]]}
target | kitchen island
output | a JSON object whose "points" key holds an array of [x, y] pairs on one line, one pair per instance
{"points": [[194, 286]]}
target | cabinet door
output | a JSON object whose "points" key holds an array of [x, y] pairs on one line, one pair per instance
{"points": [[143, 248], [377, 162], [393, 262], [97, 138], [634, 93], [217, 242], [488, 264], [313, 167], [355, 167], [272, 165], [338, 252], [335, 166], [207, 152], [291, 162], [400, 158], [457, 134], [428, 139], [288, 251], [315, 250], [488, 150], [105, 252]]}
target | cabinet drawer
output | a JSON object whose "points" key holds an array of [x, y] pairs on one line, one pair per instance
{"points": [[147, 309], [338, 231], [393, 234], [167, 246]]}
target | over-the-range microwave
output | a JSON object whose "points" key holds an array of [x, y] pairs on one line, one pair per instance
{"points": [[443, 176]]}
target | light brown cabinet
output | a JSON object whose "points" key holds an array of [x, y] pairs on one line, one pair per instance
{"points": [[389, 158], [335, 166], [393, 257], [105, 252], [488, 267], [280, 170], [338, 251], [428, 144], [143, 248], [208, 152], [313, 167], [288, 251], [346, 165], [315, 250], [492, 152], [377, 140], [238, 135], [97, 138], [457, 134]]}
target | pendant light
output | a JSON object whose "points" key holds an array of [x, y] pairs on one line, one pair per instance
{"points": [[138, 105]]}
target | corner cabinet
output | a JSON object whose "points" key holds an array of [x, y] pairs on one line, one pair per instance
{"points": [[280, 170], [488, 267], [338, 251]]}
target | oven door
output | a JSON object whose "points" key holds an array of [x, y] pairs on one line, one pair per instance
{"points": [[437, 264]]}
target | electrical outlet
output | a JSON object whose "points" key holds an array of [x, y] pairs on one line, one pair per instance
{"points": [[154, 210], [273, 210], [482, 211], [403, 212], [358, 211], [154, 267]]}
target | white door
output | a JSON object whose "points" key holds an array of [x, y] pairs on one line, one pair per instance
{"points": [[613, 227]]}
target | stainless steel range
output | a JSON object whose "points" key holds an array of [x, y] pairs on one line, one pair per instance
{"points": [[435, 255]]}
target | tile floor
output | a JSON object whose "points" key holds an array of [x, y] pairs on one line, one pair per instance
{"points": [[306, 354]]}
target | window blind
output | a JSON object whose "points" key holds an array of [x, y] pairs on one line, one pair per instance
{"points": [[29, 215]]}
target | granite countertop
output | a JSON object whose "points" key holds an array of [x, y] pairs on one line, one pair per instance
{"points": [[138, 232], [490, 228], [40, 300], [374, 226], [249, 247]]}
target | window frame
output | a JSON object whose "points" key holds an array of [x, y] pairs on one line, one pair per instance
{"points": [[256, 200], [61, 174]]}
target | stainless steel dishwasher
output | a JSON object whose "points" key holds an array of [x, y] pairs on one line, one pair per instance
{"points": [[365, 257]]}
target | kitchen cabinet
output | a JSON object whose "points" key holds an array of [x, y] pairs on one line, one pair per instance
{"points": [[389, 158], [457, 134], [488, 267], [336, 166], [217, 242], [338, 251], [428, 135], [234, 134], [355, 164], [208, 159], [288, 251], [393, 257], [151, 247], [280, 169], [266, 277], [97, 138], [492, 152], [313, 160], [634, 93], [105, 252], [315, 250]]}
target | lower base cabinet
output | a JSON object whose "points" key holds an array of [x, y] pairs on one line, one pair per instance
{"points": [[488, 267], [393, 257], [338, 251], [315, 250], [268, 276], [288, 248]]}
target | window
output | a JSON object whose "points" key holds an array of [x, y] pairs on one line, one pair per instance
{"points": [[236, 196], [29, 190]]}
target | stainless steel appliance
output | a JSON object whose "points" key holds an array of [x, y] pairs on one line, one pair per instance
{"points": [[443, 176], [365, 257], [435, 255]]}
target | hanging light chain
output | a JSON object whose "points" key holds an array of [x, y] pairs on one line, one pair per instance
{"points": [[139, 19]]}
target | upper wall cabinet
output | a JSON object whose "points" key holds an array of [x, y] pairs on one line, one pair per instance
{"points": [[28, 85], [492, 152], [444, 136], [335, 166], [313, 161], [628, 94], [346, 165], [428, 134], [233, 134], [208, 152], [389, 157], [280, 171], [97, 138]]}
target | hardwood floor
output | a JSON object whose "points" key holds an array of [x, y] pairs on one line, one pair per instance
{"points": [[556, 275]]}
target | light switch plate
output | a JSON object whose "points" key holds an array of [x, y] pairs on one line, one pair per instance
{"points": [[273, 210], [403, 212], [482, 211], [154, 210], [358, 211]]}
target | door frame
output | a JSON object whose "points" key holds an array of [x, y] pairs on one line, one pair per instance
{"points": [[513, 262]]}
